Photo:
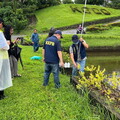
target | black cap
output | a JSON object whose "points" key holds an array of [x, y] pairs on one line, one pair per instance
{"points": [[58, 32], [75, 38], [2, 21]]}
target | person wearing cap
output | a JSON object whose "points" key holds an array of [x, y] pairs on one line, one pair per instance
{"points": [[5, 73], [78, 54], [51, 32], [52, 55]]}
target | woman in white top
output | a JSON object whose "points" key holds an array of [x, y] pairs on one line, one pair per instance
{"points": [[5, 73]]}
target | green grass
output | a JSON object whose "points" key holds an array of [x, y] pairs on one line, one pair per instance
{"points": [[62, 15], [29, 100], [93, 40]]}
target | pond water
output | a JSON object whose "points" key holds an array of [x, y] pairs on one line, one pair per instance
{"points": [[108, 60]]}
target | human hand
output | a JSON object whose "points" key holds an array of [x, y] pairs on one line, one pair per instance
{"points": [[75, 65], [61, 64], [8, 42], [17, 39], [81, 39]]}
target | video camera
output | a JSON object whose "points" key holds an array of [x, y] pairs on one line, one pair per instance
{"points": [[21, 39]]}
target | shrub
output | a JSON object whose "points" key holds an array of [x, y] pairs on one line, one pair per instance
{"points": [[114, 24], [96, 11], [19, 24], [97, 28], [105, 12]]}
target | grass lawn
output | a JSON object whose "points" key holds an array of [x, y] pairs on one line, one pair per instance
{"points": [[105, 38], [109, 37], [29, 100], [62, 15]]}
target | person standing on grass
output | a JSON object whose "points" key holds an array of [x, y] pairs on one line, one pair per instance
{"points": [[78, 54], [8, 31], [35, 40], [5, 73], [52, 54]]}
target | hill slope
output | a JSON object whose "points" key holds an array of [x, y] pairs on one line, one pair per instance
{"points": [[71, 14]]}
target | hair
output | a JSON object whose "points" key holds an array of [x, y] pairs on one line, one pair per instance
{"points": [[51, 32], [7, 34], [2, 21]]}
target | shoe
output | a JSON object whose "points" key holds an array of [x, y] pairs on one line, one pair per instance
{"points": [[18, 75]]}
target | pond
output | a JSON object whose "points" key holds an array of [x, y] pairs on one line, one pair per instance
{"points": [[108, 60]]}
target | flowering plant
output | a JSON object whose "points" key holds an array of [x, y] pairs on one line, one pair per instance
{"points": [[96, 79]]}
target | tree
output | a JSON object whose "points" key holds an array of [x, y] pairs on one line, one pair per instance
{"points": [[92, 2], [79, 1], [67, 1], [115, 4], [14, 5], [53, 2]]}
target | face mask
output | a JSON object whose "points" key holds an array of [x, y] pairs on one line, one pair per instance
{"points": [[76, 42]]}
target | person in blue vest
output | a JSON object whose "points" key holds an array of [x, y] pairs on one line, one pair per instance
{"points": [[78, 54], [35, 40], [52, 56]]}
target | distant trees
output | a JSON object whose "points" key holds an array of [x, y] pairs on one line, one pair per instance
{"points": [[67, 1], [79, 1], [92, 2], [114, 4], [18, 12]]}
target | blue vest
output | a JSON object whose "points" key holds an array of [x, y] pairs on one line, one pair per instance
{"points": [[81, 49]]}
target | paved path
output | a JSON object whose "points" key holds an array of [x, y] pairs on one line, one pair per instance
{"points": [[15, 36], [72, 31]]}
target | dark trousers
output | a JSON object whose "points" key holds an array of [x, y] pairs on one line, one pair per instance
{"points": [[51, 68]]}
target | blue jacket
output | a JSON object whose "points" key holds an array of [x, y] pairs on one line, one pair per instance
{"points": [[35, 37]]}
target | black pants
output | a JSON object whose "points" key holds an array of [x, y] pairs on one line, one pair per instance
{"points": [[2, 93]]}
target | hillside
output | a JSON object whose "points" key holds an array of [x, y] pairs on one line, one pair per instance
{"points": [[71, 14]]}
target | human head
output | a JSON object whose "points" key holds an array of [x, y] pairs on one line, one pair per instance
{"points": [[58, 33], [75, 38], [35, 30], [8, 31], [1, 23], [51, 32]]}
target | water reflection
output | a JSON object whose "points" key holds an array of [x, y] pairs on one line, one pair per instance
{"points": [[108, 60]]}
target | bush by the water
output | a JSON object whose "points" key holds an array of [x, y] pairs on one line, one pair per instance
{"points": [[102, 27]]}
